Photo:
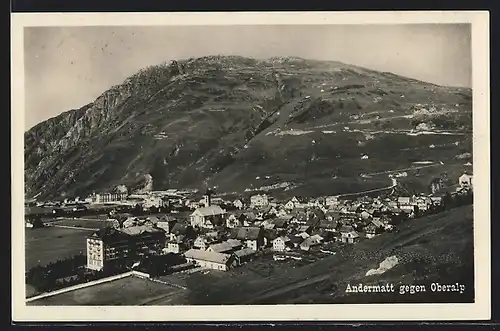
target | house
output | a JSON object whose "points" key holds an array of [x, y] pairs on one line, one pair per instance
{"points": [[296, 202], [311, 242], [348, 235], [404, 201], [238, 204], [331, 201], [365, 215], [233, 221], [281, 222], [315, 214], [370, 230], [203, 242], [223, 247], [152, 201], [378, 223], [281, 244], [180, 229], [253, 237], [328, 225], [247, 218], [165, 222], [243, 255], [210, 260], [332, 216], [465, 181], [281, 212], [296, 240], [436, 201], [176, 245], [207, 217], [305, 229], [299, 216], [259, 200]]}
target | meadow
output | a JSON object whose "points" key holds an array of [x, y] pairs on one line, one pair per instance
{"points": [[49, 244]]}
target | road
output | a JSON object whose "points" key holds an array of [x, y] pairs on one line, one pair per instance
{"points": [[70, 227], [393, 185]]}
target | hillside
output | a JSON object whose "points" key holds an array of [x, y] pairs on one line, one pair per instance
{"points": [[436, 248], [241, 124]]}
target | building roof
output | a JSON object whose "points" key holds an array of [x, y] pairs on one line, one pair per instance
{"points": [[234, 242], [285, 239], [317, 213], [244, 252], [346, 229], [179, 228], [109, 234], [245, 233], [280, 221], [139, 229], [208, 256], [209, 211], [222, 247], [377, 223], [404, 199]]}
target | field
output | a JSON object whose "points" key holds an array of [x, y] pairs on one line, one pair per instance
{"points": [[50, 243], [122, 292]]}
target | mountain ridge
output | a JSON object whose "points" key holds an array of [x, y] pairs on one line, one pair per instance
{"points": [[187, 121]]}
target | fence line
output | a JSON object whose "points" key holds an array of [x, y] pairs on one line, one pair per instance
{"points": [[80, 286]]}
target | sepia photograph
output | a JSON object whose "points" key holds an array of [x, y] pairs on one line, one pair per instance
{"points": [[274, 166]]}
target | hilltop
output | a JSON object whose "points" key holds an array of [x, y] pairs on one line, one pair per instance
{"points": [[239, 124]]}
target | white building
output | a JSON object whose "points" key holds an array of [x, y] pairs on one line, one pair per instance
{"points": [[259, 200], [280, 244], [465, 181], [210, 260], [207, 217]]}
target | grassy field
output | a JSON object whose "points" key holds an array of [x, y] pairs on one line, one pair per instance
{"points": [[437, 248], [49, 244], [126, 291]]}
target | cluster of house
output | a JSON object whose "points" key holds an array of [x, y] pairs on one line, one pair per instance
{"points": [[218, 239]]}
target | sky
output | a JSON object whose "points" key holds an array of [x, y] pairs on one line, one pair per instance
{"points": [[68, 67]]}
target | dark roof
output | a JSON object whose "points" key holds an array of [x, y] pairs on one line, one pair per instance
{"points": [[179, 228], [245, 233], [328, 224], [346, 228], [279, 222], [296, 239], [317, 213], [109, 234]]}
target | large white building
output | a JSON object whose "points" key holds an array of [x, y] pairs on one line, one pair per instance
{"points": [[112, 247], [207, 217]]}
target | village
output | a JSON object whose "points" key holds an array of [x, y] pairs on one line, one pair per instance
{"points": [[215, 234]]}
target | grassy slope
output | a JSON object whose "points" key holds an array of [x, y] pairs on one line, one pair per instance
{"points": [[436, 248]]}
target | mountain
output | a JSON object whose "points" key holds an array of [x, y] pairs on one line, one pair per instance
{"points": [[239, 124]]}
